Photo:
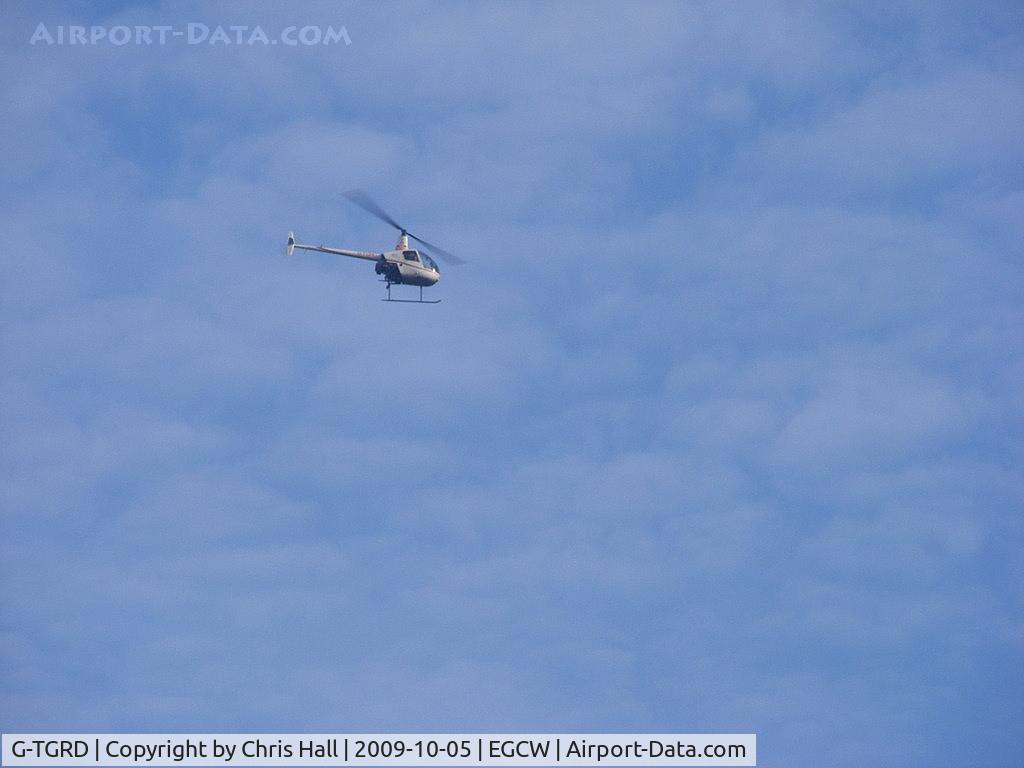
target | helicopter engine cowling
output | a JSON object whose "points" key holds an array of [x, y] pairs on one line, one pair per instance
{"points": [[389, 270]]}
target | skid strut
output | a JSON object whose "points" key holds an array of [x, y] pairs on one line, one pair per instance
{"points": [[420, 300]]}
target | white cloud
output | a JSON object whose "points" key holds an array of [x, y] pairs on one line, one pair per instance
{"points": [[705, 426]]}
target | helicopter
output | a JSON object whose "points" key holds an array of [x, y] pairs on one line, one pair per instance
{"points": [[401, 266]]}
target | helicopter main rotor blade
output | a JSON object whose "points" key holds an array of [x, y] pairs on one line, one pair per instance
{"points": [[365, 202], [451, 258]]}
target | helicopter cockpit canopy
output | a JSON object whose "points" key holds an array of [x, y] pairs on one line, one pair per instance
{"points": [[416, 256]]}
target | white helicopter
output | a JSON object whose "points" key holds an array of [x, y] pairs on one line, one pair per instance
{"points": [[403, 265]]}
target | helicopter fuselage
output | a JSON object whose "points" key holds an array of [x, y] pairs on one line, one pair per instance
{"points": [[407, 267]]}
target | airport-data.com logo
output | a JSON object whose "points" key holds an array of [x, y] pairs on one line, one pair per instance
{"points": [[193, 33]]}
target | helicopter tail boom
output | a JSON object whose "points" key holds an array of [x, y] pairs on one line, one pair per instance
{"points": [[291, 246]]}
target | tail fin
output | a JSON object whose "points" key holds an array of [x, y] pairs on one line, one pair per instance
{"points": [[291, 243]]}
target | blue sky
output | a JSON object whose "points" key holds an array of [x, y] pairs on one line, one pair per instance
{"points": [[718, 431]]}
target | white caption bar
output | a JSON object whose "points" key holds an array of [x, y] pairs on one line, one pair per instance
{"points": [[515, 750]]}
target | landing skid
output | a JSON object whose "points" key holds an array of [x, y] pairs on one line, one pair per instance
{"points": [[420, 300]]}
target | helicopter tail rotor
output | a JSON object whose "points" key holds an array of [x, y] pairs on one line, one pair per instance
{"points": [[290, 249]]}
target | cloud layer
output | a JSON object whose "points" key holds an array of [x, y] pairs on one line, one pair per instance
{"points": [[718, 430]]}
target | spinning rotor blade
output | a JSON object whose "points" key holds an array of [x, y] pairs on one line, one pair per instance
{"points": [[365, 202], [451, 258]]}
